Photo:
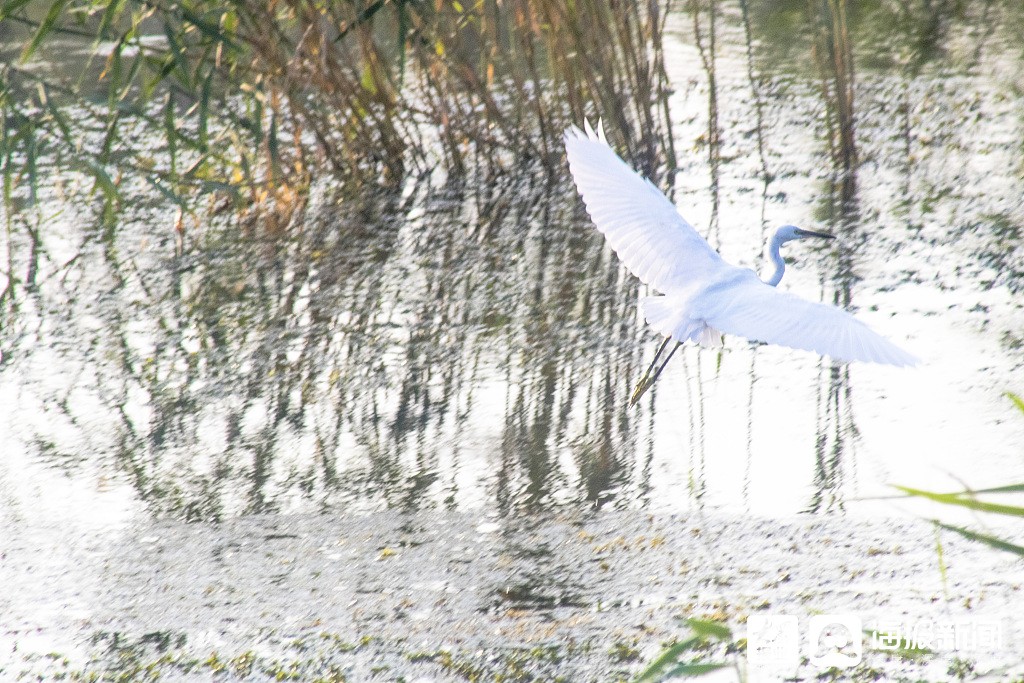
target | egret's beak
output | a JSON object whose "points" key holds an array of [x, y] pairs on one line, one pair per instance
{"points": [[810, 233]]}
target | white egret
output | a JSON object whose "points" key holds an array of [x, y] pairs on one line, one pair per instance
{"points": [[703, 296]]}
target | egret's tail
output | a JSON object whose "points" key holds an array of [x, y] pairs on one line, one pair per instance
{"points": [[666, 315], [710, 338]]}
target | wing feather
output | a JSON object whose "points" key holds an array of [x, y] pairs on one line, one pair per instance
{"points": [[639, 222], [664, 251], [749, 308]]}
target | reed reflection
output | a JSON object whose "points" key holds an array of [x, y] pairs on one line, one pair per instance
{"points": [[839, 210], [469, 344], [412, 347]]}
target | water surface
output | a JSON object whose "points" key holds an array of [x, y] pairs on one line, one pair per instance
{"points": [[455, 347]]}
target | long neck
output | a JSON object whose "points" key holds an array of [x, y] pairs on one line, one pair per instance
{"points": [[776, 257]]}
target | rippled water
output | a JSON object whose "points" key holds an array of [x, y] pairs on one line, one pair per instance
{"points": [[472, 348], [458, 347]]}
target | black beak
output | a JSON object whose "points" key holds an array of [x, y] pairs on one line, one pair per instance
{"points": [[811, 233]]}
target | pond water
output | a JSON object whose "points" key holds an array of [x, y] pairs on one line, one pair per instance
{"points": [[452, 348], [471, 348]]}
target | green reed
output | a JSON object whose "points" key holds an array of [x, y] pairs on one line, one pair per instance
{"points": [[245, 101], [969, 499]]}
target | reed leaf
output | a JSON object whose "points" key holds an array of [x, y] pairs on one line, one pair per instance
{"points": [[177, 62], [48, 24], [62, 122], [113, 12], [204, 113], [1010, 488], [210, 30], [960, 500], [694, 669], [110, 137], [659, 667], [167, 192], [12, 6], [710, 629], [102, 179], [987, 539], [667, 665], [172, 135]]}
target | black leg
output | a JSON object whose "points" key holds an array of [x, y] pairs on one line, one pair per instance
{"points": [[670, 354], [647, 380]]}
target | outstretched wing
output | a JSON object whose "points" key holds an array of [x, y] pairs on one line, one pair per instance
{"points": [[749, 308], [640, 223]]}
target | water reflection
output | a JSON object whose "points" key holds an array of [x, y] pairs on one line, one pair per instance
{"points": [[706, 41], [840, 211], [472, 345], [402, 340]]}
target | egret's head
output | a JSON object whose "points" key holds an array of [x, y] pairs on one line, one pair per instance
{"points": [[791, 232]]}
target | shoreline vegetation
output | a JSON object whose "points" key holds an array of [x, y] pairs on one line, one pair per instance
{"points": [[247, 101]]}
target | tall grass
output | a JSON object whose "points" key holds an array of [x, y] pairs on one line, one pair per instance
{"points": [[248, 97], [833, 53]]}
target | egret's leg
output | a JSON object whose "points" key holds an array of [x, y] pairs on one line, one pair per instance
{"points": [[654, 361], [667, 359], [647, 380]]}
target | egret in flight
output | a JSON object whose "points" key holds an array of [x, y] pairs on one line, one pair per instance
{"points": [[703, 296]]}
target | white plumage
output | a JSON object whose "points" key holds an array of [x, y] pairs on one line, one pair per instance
{"points": [[702, 293]]}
